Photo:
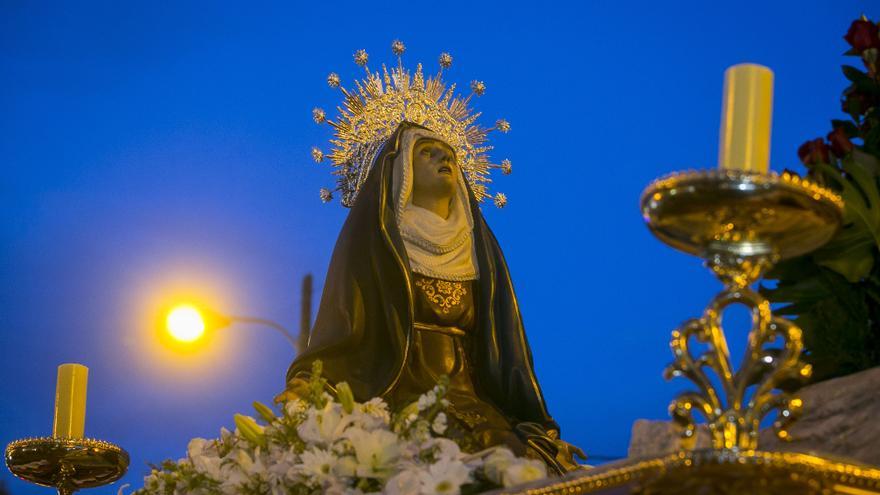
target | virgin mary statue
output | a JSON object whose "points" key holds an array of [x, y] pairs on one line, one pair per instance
{"points": [[418, 288]]}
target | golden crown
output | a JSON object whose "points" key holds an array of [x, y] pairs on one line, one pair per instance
{"points": [[369, 116]]}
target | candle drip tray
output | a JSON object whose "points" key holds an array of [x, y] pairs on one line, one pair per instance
{"points": [[726, 212], [68, 464]]}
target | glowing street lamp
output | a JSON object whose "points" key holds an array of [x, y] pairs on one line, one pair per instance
{"points": [[187, 323]]}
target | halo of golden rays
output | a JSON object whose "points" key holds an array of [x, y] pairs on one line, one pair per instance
{"points": [[378, 103]]}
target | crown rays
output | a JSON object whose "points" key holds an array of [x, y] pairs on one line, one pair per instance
{"points": [[378, 103]]}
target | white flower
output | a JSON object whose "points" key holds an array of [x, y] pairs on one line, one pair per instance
{"points": [[405, 482], [346, 467], [295, 407], [439, 424], [231, 477], [250, 465], [371, 415], [427, 400], [280, 467], [225, 435], [207, 465], [376, 452], [445, 477], [324, 426], [197, 447], [203, 456], [377, 408], [496, 463], [317, 465], [522, 471], [444, 448], [335, 452]]}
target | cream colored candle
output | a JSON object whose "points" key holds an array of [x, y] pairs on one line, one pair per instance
{"points": [[70, 401], [746, 116]]}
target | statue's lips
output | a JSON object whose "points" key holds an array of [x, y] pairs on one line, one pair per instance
{"points": [[445, 169]]}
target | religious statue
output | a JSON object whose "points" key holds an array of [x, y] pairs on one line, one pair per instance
{"points": [[418, 287]]}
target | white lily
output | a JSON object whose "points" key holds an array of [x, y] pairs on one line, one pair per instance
{"points": [[324, 426], [376, 452]]}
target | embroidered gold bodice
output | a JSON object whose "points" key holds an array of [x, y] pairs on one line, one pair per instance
{"points": [[443, 302]]}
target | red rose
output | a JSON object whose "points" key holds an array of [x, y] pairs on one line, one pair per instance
{"points": [[813, 152], [863, 35], [840, 143]]}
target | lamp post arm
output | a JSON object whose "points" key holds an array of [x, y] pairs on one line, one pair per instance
{"points": [[268, 323]]}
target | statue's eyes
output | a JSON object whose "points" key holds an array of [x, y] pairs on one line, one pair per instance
{"points": [[426, 151]]}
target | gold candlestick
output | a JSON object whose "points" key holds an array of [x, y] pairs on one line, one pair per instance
{"points": [[66, 460], [740, 223], [67, 464]]}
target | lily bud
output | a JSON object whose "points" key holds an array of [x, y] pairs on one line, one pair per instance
{"points": [[250, 430], [346, 397], [264, 411]]}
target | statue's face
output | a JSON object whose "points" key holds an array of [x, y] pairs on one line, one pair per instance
{"points": [[434, 169]]}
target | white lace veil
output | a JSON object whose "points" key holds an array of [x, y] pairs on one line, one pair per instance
{"points": [[437, 247]]}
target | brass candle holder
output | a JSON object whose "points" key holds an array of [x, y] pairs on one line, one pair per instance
{"points": [[740, 224], [67, 464]]}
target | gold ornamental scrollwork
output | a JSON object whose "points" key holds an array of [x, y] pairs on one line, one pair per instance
{"points": [[443, 293], [734, 409], [740, 223]]}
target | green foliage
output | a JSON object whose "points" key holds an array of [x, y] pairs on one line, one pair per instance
{"points": [[833, 294]]}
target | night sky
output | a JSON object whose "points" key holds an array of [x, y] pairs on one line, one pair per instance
{"points": [[159, 153]]}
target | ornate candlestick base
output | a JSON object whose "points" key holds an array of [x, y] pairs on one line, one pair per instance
{"points": [[740, 224], [68, 464]]}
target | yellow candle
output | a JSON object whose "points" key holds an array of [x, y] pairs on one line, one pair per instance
{"points": [[745, 119], [70, 401]]}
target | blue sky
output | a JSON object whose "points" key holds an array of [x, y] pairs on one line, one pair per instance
{"points": [[159, 151]]}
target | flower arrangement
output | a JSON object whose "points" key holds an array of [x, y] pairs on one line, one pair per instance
{"points": [[329, 443], [834, 292]]}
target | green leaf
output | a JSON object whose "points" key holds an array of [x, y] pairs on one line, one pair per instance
{"points": [[868, 161], [854, 268], [853, 74], [863, 209], [804, 290]]}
